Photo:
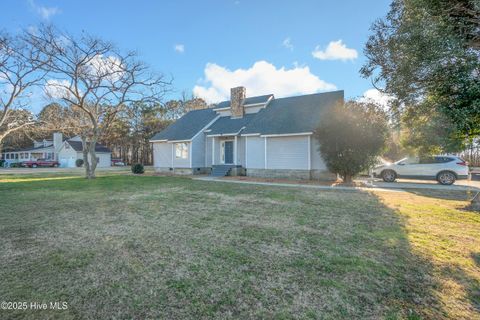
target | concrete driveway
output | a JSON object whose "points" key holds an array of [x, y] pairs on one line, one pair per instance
{"points": [[422, 184], [370, 185]]}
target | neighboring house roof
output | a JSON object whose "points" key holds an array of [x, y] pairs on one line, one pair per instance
{"points": [[30, 149], [77, 146], [249, 100], [292, 115], [227, 125], [187, 126]]}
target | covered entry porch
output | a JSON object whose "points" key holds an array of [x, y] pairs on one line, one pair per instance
{"points": [[227, 153]]}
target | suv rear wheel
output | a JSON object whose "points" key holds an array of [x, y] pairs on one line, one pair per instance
{"points": [[446, 178], [389, 175]]}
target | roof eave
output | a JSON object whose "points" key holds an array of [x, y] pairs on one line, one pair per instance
{"points": [[286, 134]]}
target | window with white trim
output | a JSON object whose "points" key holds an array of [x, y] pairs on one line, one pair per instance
{"points": [[181, 150]]}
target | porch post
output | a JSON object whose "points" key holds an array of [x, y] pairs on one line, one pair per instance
{"points": [[309, 152], [213, 151], [190, 148], [235, 151], [265, 160], [173, 154], [246, 152]]}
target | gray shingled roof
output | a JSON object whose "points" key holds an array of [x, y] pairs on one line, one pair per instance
{"points": [[292, 115], [282, 116], [249, 100], [77, 146], [31, 149], [226, 125], [187, 126]]}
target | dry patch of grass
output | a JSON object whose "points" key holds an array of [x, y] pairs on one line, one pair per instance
{"points": [[167, 247]]}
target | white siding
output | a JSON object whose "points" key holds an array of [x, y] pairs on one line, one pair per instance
{"points": [[179, 162], [241, 151], [254, 109], [217, 150], [224, 113], [67, 157], [208, 154], [317, 161], [287, 152], [162, 155], [105, 159], [255, 153], [198, 151]]}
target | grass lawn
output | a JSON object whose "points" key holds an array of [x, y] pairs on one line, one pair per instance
{"points": [[147, 247]]}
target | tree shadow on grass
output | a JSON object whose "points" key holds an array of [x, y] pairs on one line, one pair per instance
{"points": [[460, 195], [433, 281]]}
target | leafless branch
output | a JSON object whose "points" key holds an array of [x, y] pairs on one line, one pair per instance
{"points": [[20, 70], [93, 77]]}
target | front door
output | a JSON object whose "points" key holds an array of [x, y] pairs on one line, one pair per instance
{"points": [[228, 152]]}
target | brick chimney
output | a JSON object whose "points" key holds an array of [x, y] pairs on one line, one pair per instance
{"points": [[237, 98]]}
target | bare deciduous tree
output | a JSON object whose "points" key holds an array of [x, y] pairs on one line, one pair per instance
{"points": [[96, 79], [20, 69]]}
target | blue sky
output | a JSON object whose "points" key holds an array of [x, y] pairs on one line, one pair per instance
{"points": [[279, 47]]}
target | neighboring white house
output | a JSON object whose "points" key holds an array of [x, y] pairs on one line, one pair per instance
{"points": [[71, 150], [64, 151], [46, 149], [258, 136]]}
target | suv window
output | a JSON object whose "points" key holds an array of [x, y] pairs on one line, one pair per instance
{"points": [[443, 159], [427, 160], [409, 161]]}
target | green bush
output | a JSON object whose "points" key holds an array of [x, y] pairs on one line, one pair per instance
{"points": [[79, 163], [2, 163], [351, 137], [15, 165], [137, 168]]}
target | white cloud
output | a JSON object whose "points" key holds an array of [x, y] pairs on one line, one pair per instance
{"points": [[336, 50], [287, 43], [262, 78], [376, 96], [180, 48], [32, 30], [44, 12], [109, 68], [57, 89]]}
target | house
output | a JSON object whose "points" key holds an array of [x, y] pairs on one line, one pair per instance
{"points": [[64, 151], [71, 150], [258, 136]]}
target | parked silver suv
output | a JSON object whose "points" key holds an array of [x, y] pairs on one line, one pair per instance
{"points": [[445, 169]]}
